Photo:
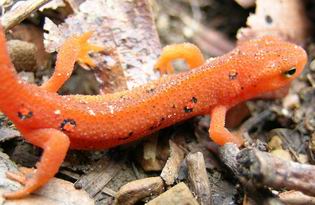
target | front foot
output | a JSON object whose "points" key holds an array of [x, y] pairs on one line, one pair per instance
{"points": [[86, 48]]}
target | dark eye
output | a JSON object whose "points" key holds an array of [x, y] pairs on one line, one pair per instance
{"points": [[289, 73]]}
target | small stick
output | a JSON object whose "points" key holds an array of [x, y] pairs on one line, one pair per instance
{"points": [[228, 154], [21, 12], [265, 169], [199, 178]]}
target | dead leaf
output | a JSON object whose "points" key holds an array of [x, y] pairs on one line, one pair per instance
{"points": [[286, 19]]}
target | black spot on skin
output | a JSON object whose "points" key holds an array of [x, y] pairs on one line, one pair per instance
{"points": [[174, 106], [24, 116], [194, 100], [233, 75], [123, 138], [188, 109], [162, 119], [128, 66], [151, 90], [268, 19], [242, 88], [152, 127], [68, 125]]}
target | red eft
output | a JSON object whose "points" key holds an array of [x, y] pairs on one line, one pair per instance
{"points": [[56, 123]]}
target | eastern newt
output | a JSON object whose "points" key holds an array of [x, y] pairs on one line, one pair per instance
{"points": [[56, 123]]}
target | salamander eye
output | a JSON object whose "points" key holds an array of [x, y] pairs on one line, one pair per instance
{"points": [[289, 73]]}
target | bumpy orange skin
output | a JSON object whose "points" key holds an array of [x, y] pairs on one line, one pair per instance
{"points": [[56, 123]]}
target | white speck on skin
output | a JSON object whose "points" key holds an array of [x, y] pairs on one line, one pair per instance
{"points": [[111, 109], [91, 112], [57, 112]]}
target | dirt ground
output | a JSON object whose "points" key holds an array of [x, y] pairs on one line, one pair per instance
{"points": [[178, 164]]}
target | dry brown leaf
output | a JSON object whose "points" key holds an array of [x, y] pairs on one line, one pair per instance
{"points": [[56, 192], [126, 30], [286, 19]]}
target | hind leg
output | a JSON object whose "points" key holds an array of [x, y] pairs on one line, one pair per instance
{"points": [[55, 145]]}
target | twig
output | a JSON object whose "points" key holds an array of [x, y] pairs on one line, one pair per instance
{"points": [[228, 154], [21, 12], [198, 177], [265, 169]]}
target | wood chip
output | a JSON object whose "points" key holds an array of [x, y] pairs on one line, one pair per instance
{"points": [[177, 195], [199, 178], [171, 168], [133, 191]]}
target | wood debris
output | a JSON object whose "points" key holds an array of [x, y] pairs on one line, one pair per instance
{"points": [[171, 168], [179, 194], [198, 177], [133, 191], [265, 169]]}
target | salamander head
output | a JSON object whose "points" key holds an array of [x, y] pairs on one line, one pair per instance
{"points": [[272, 64]]}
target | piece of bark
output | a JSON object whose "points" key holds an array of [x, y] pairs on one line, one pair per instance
{"points": [[171, 168], [177, 195], [198, 177], [263, 168], [101, 173], [286, 19], [136, 190]]}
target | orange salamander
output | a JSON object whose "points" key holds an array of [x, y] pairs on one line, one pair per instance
{"points": [[56, 123]]}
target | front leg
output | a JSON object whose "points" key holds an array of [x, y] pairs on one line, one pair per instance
{"points": [[218, 133], [74, 49], [55, 145]]}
